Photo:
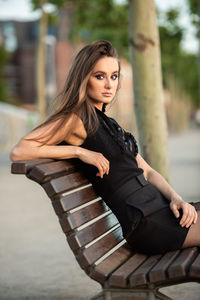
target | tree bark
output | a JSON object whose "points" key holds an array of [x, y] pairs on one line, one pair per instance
{"points": [[147, 83], [41, 60]]}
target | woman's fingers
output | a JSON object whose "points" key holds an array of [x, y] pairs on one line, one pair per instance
{"points": [[186, 217], [102, 171], [175, 210], [189, 215], [103, 166], [191, 221]]}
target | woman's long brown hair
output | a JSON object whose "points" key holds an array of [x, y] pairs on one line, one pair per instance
{"points": [[73, 97]]}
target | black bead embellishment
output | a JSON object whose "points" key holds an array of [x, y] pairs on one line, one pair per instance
{"points": [[124, 139]]}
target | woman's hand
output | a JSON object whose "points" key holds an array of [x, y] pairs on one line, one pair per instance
{"points": [[96, 159], [189, 212]]}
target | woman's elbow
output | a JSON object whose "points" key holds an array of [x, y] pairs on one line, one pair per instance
{"points": [[21, 151], [16, 154]]}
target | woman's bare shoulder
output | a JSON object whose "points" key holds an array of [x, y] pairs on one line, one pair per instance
{"points": [[78, 134], [72, 129]]}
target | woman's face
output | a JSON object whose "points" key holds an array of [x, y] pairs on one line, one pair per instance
{"points": [[103, 81]]}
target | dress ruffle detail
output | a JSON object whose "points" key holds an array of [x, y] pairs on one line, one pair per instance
{"points": [[124, 139]]}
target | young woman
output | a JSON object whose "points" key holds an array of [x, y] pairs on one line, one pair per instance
{"points": [[154, 218]]}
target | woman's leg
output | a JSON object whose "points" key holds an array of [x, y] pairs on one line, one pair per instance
{"points": [[193, 236]]}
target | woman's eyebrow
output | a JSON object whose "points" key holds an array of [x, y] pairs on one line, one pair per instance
{"points": [[105, 72]]}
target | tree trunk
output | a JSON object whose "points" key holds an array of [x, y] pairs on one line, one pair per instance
{"points": [[41, 60], [147, 83]]}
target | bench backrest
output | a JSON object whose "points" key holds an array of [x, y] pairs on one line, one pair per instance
{"points": [[92, 230], [95, 236]]}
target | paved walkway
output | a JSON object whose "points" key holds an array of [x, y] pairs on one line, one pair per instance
{"points": [[35, 260]]}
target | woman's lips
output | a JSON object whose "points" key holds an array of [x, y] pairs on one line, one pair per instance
{"points": [[107, 94]]}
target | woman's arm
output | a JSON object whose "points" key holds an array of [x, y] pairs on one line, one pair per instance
{"points": [[176, 201], [27, 149], [31, 147], [157, 179]]}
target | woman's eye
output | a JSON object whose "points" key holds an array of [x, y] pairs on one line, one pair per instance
{"points": [[99, 76], [114, 77]]}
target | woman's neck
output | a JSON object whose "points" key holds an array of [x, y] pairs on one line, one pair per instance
{"points": [[99, 106]]}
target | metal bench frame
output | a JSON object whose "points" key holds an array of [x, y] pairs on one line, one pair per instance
{"points": [[95, 237]]}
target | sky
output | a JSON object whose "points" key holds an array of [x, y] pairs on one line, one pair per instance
{"points": [[22, 10]]}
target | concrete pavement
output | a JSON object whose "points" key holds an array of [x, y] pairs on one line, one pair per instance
{"points": [[36, 261]]}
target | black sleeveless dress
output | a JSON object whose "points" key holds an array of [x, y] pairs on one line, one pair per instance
{"points": [[147, 222]]}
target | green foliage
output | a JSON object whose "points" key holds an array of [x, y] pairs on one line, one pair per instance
{"points": [[175, 61], [106, 19], [4, 56], [170, 50], [193, 5], [101, 19], [195, 14]]}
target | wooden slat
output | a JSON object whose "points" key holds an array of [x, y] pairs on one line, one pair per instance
{"points": [[120, 277], [195, 268], [70, 221], [139, 277], [24, 166], [159, 272], [89, 255], [93, 231], [64, 183], [63, 203], [123, 267], [51, 170], [179, 267], [102, 271]]}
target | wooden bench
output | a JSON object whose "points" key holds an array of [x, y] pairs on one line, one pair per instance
{"points": [[95, 237]]}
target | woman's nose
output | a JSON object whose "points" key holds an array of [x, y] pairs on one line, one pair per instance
{"points": [[108, 84]]}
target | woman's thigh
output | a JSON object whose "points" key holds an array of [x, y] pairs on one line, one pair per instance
{"points": [[193, 235]]}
